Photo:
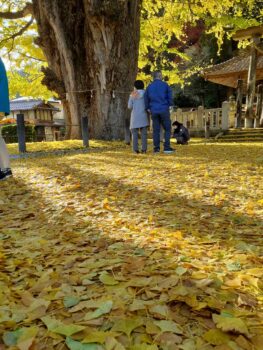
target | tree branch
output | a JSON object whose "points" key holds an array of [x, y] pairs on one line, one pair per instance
{"points": [[30, 57], [27, 10], [190, 9], [20, 32]]}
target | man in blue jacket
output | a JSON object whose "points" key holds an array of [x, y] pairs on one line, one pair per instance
{"points": [[158, 100], [5, 170]]}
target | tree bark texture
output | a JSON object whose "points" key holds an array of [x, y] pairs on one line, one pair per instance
{"points": [[92, 51]]}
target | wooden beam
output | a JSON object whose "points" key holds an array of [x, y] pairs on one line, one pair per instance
{"points": [[239, 103], [259, 105], [251, 83], [251, 32]]}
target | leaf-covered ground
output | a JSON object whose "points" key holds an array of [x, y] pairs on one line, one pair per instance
{"points": [[111, 250], [39, 147]]}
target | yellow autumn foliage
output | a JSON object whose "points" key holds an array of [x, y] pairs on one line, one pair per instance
{"points": [[108, 249]]}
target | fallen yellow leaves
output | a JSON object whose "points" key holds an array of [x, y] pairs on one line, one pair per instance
{"points": [[111, 251], [228, 323]]}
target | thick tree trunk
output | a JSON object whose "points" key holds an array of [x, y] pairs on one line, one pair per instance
{"points": [[92, 50]]}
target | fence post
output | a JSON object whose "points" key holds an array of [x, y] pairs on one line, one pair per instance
{"points": [[21, 133], [225, 115], [85, 132], [199, 118], [207, 125]]}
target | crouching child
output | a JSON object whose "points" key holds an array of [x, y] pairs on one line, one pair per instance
{"points": [[181, 133]]}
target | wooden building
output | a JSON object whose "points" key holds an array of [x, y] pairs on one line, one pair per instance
{"points": [[41, 114], [244, 73]]}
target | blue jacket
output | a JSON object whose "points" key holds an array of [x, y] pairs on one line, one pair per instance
{"points": [[158, 97], [4, 94]]}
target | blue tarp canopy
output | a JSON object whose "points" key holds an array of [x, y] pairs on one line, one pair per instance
{"points": [[4, 94]]}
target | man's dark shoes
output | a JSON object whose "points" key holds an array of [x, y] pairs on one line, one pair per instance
{"points": [[169, 151], [2, 175], [5, 173], [8, 173]]}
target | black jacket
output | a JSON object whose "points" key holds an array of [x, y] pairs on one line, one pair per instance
{"points": [[181, 131]]}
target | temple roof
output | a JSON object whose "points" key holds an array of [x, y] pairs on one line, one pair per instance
{"points": [[228, 72], [27, 104]]}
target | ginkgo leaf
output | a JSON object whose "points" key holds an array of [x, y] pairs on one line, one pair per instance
{"points": [[151, 327], [68, 329], [102, 310], [99, 337], [61, 328], [144, 347], [181, 270], [113, 344], [169, 326], [257, 341], [51, 323], [242, 342], [10, 338], [232, 324], [22, 338], [27, 338], [180, 291], [107, 279], [127, 325], [76, 345], [70, 301], [216, 337], [137, 305], [161, 310], [199, 275], [87, 304], [257, 271], [188, 344], [234, 266], [87, 282]]}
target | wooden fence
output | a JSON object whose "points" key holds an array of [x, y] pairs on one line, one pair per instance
{"points": [[199, 119]]}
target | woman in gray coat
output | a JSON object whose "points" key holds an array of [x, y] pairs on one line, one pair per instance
{"points": [[139, 118]]}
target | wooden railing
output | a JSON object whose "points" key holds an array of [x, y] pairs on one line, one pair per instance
{"points": [[200, 118]]}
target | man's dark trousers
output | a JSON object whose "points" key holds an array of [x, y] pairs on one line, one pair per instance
{"points": [[163, 119]]}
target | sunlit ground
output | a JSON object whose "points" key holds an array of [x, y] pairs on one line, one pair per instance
{"points": [[167, 247], [75, 144]]}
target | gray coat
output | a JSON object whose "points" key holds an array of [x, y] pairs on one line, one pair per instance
{"points": [[139, 118]]}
